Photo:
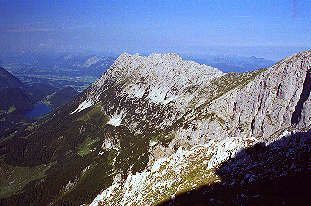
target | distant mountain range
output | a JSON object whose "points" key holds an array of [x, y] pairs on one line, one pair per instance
{"points": [[233, 63], [45, 62], [75, 70]]}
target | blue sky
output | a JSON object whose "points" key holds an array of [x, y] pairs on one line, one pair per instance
{"points": [[193, 26]]}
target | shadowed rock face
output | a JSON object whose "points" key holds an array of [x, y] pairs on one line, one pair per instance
{"points": [[7, 80], [305, 94], [265, 105], [15, 97], [154, 127], [275, 174]]}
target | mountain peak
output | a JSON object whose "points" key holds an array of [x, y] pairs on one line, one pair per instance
{"points": [[159, 64], [160, 77], [297, 57]]}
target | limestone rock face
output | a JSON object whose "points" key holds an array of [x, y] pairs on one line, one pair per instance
{"points": [[165, 77], [221, 112], [276, 99], [156, 88]]}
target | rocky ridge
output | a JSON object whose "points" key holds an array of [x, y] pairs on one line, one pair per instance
{"points": [[154, 127], [260, 105], [153, 85]]}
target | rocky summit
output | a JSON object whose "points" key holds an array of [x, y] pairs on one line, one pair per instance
{"points": [[159, 130]]}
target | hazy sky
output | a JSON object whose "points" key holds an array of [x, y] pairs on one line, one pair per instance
{"points": [[135, 25]]}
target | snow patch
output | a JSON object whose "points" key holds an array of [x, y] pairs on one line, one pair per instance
{"points": [[135, 90], [170, 99], [152, 143], [116, 119], [157, 94], [107, 144], [85, 104], [101, 153]]}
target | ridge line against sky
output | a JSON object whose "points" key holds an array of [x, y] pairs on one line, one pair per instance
{"points": [[195, 26]]}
